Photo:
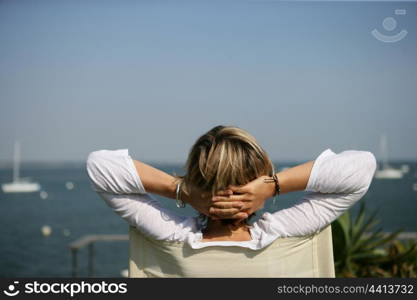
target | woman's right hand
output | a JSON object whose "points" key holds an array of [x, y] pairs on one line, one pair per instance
{"points": [[227, 209], [252, 196]]}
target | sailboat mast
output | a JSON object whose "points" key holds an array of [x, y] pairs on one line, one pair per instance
{"points": [[16, 161], [384, 151]]}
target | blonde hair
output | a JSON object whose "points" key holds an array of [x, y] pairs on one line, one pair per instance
{"points": [[225, 155]]}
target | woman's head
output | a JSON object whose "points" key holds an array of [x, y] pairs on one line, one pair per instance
{"points": [[225, 155]]}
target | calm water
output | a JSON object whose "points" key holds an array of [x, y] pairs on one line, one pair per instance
{"points": [[24, 252]]}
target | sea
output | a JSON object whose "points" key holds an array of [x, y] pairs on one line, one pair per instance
{"points": [[67, 206]]}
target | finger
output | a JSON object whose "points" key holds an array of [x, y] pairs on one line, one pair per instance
{"points": [[224, 193], [247, 206], [239, 189], [230, 198], [228, 204], [223, 213], [239, 217]]}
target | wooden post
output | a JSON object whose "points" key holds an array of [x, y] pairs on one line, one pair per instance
{"points": [[74, 262], [91, 259]]}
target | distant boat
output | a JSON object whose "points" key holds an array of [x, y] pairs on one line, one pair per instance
{"points": [[405, 168], [19, 185], [387, 171]]}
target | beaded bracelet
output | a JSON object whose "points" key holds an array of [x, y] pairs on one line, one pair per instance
{"points": [[178, 201], [276, 181]]}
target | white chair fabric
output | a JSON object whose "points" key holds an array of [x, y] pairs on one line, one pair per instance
{"points": [[309, 256]]}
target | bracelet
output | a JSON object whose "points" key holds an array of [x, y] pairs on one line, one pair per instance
{"points": [[277, 186], [276, 181], [178, 201]]}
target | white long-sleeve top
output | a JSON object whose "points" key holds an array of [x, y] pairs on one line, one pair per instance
{"points": [[336, 182]]}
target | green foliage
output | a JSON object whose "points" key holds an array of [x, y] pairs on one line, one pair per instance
{"points": [[361, 250]]}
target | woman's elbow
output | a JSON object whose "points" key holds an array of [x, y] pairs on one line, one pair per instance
{"points": [[92, 156], [92, 161], [369, 166], [95, 159], [94, 164], [370, 163]]}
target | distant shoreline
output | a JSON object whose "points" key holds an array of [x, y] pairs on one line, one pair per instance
{"points": [[6, 165]]}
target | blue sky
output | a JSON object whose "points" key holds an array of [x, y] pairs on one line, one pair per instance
{"points": [[152, 76]]}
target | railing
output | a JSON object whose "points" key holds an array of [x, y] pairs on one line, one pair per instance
{"points": [[90, 240]]}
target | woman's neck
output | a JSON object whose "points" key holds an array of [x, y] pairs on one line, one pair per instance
{"points": [[216, 230]]}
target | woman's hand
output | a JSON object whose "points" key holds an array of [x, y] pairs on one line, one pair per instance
{"points": [[252, 195], [227, 209]]}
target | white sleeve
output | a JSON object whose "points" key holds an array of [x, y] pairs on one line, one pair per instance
{"points": [[113, 172], [114, 177], [337, 181]]}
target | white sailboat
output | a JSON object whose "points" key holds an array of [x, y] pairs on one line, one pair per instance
{"points": [[387, 171], [19, 185]]}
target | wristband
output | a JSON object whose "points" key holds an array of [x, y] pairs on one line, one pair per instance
{"points": [[178, 201], [275, 180], [277, 187]]}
